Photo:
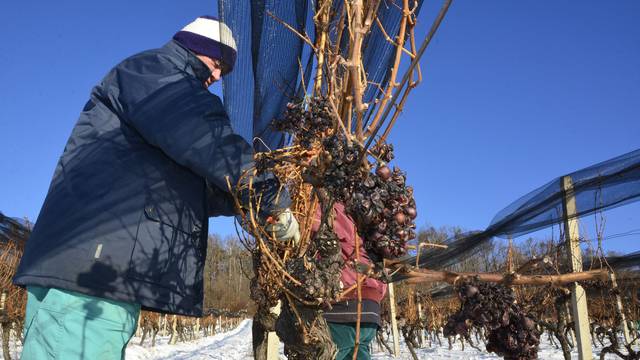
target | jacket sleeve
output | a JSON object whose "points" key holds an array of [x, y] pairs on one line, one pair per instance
{"points": [[219, 202], [189, 124]]}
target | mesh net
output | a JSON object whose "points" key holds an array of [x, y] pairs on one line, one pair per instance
{"points": [[603, 186], [606, 185], [266, 73], [12, 229], [258, 89], [619, 262], [271, 66]]}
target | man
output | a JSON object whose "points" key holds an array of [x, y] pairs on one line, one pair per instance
{"points": [[124, 224], [343, 316]]}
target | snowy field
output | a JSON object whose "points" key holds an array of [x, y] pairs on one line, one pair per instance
{"points": [[236, 345]]}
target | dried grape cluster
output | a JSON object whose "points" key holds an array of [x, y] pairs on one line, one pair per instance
{"points": [[320, 278], [264, 162], [380, 203], [307, 121], [344, 169], [262, 290], [383, 151], [384, 209], [320, 275], [511, 333]]}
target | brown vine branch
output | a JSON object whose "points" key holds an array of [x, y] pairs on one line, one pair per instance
{"points": [[408, 74], [396, 63], [304, 38], [359, 287], [428, 276]]}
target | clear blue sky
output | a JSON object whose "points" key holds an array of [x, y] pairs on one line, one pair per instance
{"points": [[515, 93]]}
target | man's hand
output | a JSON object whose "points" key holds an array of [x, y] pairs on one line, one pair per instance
{"points": [[285, 227]]}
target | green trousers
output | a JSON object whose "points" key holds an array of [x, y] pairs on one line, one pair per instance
{"points": [[66, 325], [344, 335]]}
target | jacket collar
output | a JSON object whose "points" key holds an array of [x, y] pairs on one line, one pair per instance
{"points": [[188, 60]]}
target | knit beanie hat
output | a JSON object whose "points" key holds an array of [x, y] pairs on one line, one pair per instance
{"points": [[210, 37]]}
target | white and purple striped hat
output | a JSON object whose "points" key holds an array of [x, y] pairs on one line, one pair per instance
{"points": [[210, 37]]}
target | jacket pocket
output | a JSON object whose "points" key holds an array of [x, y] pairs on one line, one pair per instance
{"points": [[164, 254]]}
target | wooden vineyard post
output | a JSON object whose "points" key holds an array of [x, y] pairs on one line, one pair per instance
{"points": [[138, 325], [620, 309], [164, 325], [572, 332], [633, 313], [174, 331], [578, 295], [273, 342], [423, 340], [394, 322], [510, 265], [5, 324]]}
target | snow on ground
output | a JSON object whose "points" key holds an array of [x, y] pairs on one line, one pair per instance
{"points": [[546, 352], [236, 345]]}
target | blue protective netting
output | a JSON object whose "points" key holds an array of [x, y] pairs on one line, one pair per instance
{"points": [[266, 74], [606, 185], [272, 59], [609, 184], [13, 229], [379, 51], [628, 262]]}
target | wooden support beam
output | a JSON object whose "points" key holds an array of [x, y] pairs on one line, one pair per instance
{"points": [[510, 264], [174, 331], [620, 309], [164, 325], [533, 264], [138, 325], [273, 342], [580, 314], [425, 275], [425, 244], [394, 322], [423, 340]]}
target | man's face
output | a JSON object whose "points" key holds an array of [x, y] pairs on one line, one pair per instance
{"points": [[216, 69]]}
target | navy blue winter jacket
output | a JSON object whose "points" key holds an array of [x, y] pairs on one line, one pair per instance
{"points": [[126, 214]]}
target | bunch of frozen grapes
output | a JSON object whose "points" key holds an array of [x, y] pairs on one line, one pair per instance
{"points": [[510, 332], [306, 120], [380, 202], [384, 209]]}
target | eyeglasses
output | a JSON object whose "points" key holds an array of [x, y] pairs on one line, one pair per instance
{"points": [[220, 65]]}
